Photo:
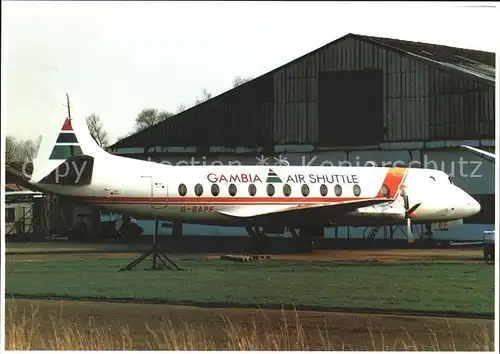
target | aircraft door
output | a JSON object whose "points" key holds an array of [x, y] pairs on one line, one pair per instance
{"points": [[159, 194]]}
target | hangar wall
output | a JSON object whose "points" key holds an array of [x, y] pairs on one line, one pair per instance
{"points": [[413, 101]]}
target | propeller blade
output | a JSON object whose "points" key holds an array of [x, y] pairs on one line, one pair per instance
{"points": [[404, 194], [412, 210], [409, 231], [408, 214]]}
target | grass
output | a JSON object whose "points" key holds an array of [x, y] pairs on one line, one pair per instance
{"points": [[26, 329], [411, 286]]}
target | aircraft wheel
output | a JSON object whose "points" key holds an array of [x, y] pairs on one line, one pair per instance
{"points": [[489, 254]]}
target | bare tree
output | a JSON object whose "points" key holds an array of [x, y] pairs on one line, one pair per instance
{"points": [[149, 117], [238, 80], [182, 107], [29, 149], [11, 149], [38, 142], [22, 150], [146, 118], [205, 96], [97, 131], [164, 115]]}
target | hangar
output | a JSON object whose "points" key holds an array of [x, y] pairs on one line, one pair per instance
{"points": [[359, 99]]}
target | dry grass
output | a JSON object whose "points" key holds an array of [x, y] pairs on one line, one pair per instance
{"points": [[26, 331]]}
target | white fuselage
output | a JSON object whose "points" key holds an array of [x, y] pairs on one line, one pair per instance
{"points": [[172, 193]]}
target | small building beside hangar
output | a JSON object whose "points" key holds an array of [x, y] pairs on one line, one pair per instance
{"points": [[33, 214], [359, 99]]}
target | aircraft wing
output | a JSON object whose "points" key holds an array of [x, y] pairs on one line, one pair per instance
{"points": [[16, 193], [475, 243], [293, 213], [482, 153]]}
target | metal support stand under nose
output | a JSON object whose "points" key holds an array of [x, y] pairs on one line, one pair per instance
{"points": [[160, 260]]}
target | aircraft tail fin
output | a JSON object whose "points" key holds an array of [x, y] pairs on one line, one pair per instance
{"points": [[66, 153]]}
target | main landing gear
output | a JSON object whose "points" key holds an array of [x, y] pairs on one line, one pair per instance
{"points": [[160, 260], [259, 240], [302, 239]]}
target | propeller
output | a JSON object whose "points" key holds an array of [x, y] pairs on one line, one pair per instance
{"points": [[409, 213]]}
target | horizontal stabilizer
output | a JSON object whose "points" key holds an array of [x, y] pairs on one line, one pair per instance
{"points": [[75, 171]]}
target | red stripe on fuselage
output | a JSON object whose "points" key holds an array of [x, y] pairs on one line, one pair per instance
{"points": [[217, 200]]}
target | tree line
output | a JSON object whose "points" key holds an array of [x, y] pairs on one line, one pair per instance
{"points": [[26, 150]]}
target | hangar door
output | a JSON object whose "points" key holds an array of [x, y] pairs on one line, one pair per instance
{"points": [[351, 107]]}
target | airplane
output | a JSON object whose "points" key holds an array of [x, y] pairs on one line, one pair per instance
{"points": [[300, 198]]}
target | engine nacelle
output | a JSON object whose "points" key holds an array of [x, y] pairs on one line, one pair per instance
{"points": [[396, 212]]}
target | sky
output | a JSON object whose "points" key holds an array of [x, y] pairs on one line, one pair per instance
{"points": [[117, 58]]}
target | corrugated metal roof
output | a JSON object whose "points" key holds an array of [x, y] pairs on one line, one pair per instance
{"points": [[473, 62], [15, 174]]}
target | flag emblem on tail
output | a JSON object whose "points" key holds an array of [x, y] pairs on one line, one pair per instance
{"points": [[67, 144], [272, 177]]}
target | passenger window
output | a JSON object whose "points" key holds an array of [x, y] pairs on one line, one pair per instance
{"points": [[305, 190], [215, 190], [270, 190], [385, 191], [356, 190], [252, 190], [287, 190], [433, 178], [323, 190], [232, 190], [182, 190], [338, 190], [198, 190]]}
